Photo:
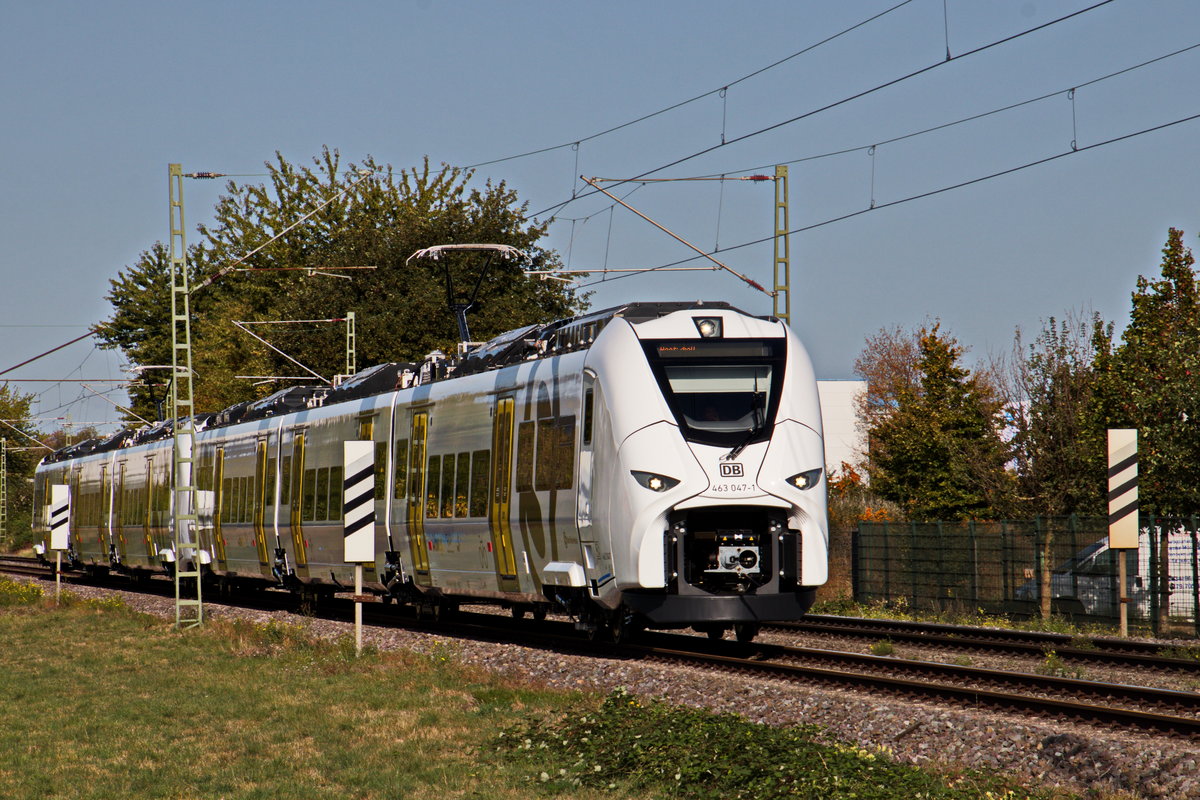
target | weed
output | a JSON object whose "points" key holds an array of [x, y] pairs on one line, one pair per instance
{"points": [[1185, 652], [634, 748], [962, 661], [883, 647], [1056, 667], [19, 593]]}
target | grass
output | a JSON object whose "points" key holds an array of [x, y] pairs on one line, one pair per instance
{"points": [[899, 610], [696, 755], [102, 702]]}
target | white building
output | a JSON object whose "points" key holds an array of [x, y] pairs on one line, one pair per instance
{"points": [[844, 440]]}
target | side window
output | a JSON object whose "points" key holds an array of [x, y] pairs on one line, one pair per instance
{"points": [[226, 498], [285, 481], [588, 402], [401, 469], [269, 484], [448, 473], [480, 466], [462, 483], [547, 441], [380, 471], [336, 491], [433, 483], [310, 494], [322, 512], [564, 461], [525, 456]]}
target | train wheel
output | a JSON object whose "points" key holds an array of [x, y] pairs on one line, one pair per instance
{"points": [[539, 612], [518, 612], [745, 631], [716, 632], [618, 629]]}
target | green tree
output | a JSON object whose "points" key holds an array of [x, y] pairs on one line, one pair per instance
{"points": [[1058, 445], [23, 454], [1151, 382], [939, 454], [276, 246]]}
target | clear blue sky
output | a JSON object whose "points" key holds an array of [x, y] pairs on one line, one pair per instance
{"points": [[98, 98]]}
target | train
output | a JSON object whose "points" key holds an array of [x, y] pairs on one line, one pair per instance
{"points": [[653, 465]]}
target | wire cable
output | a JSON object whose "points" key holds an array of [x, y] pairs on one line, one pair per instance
{"points": [[722, 91], [843, 101], [923, 195]]}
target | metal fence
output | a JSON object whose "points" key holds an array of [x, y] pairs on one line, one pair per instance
{"points": [[1012, 567]]}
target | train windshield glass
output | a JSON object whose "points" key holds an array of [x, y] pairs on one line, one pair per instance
{"points": [[729, 399], [722, 392]]}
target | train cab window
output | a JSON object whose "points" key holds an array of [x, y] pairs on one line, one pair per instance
{"points": [[480, 466], [433, 483]]}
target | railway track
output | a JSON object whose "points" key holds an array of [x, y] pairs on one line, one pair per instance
{"points": [[27, 566], [1092, 650], [1117, 706]]}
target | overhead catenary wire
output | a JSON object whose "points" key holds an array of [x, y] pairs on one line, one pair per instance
{"points": [[721, 91], [960, 121], [923, 195], [837, 103]]}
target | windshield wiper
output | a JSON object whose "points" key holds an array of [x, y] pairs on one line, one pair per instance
{"points": [[756, 429]]}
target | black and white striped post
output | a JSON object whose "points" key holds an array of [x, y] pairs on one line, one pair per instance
{"points": [[1122, 507], [60, 527], [358, 510]]}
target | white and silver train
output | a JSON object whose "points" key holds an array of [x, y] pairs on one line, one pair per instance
{"points": [[656, 464]]}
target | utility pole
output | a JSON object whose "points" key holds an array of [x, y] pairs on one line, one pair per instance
{"points": [[3, 494], [351, 348], [782, 299], [189, 609]]}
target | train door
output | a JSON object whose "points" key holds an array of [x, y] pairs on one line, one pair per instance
{"points": [[121, 511], [295, 494], [416, 499], [499, 519], [258, 503], [583, 505], [149, 518], [219, 500], [104, 523]]}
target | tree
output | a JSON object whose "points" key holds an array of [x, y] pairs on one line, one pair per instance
{"points": [[23, 455], [1059, 444], [141, 325], [308, 222], [939, 453], [1151, 382]]}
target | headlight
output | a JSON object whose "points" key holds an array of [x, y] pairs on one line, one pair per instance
{"points": [[806, 479], [709, 327], [653, 482]]}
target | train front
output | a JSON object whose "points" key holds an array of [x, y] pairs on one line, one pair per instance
{"points": [[713, 492]]}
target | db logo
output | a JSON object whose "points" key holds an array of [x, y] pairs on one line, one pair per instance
{"points": [[731, 470]]}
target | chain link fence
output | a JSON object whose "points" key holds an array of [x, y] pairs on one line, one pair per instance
{"points": [[1034, 567]]}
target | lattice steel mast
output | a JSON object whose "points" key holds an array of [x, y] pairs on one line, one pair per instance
{"points": [[782, 299], [189, 608]]}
